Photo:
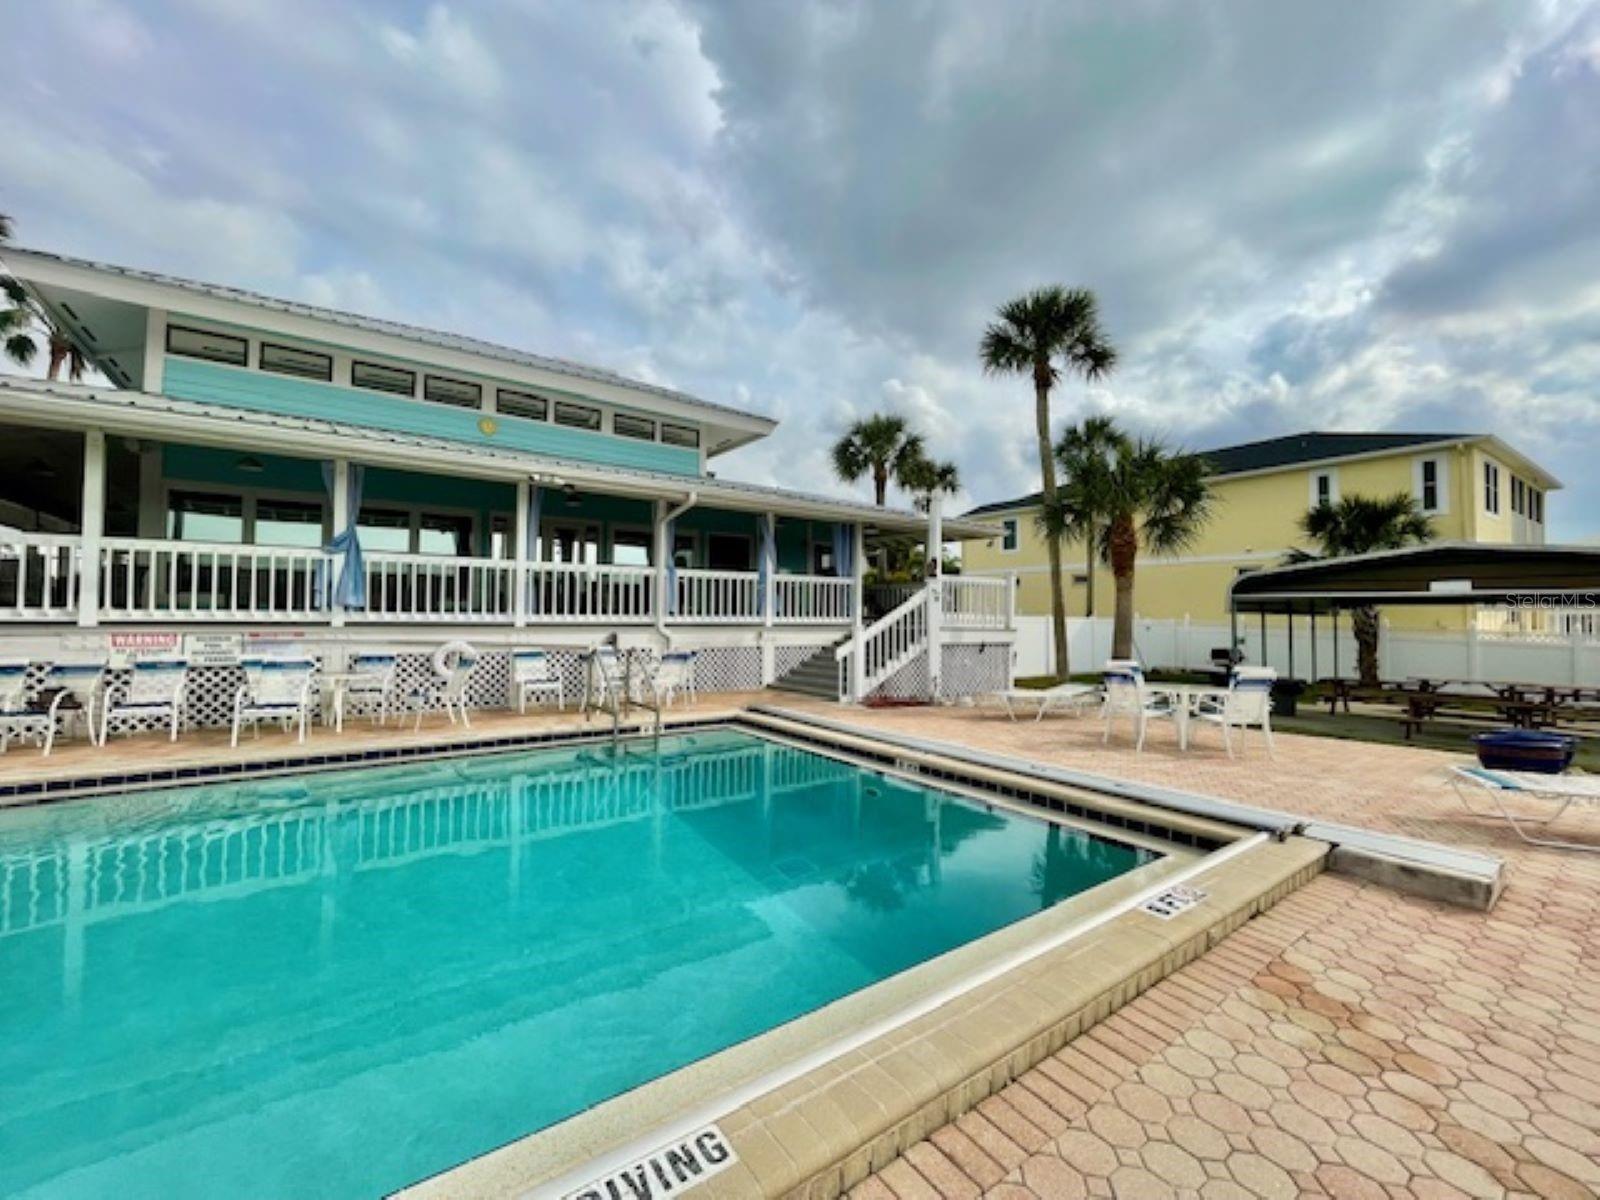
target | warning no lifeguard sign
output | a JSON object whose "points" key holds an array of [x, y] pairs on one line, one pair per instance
{"points": [[665, 1172]]}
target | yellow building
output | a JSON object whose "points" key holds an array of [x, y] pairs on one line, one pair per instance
{"points": [[1475, 487]]}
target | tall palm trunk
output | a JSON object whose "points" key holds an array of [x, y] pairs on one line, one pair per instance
{"points": [[1364, 624], [1088, 570], [1047, 484], [880, 484], [1124, 553]]}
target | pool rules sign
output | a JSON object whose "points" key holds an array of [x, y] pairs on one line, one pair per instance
{"points": [[673, 1168]]}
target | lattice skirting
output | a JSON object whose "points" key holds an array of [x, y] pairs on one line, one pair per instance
{"points": [[967, 669], [210, 692]]}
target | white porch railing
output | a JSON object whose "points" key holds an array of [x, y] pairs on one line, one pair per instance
{"points": [[812, 599], [972, 602], [576, 592], [425, 587], [718, 597], [145, 579], [38, 577]]}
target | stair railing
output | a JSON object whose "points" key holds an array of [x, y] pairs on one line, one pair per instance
{"points": [[882, 648]]}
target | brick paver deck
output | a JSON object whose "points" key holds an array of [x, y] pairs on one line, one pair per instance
{"points": [[1352, 1042]]}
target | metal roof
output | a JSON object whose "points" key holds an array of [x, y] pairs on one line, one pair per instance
{"points": [[1438, 573], [1273, 454], [196, 419], [415, 333]]}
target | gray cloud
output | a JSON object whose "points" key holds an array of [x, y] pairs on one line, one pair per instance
{"points": [[1361, 215]]}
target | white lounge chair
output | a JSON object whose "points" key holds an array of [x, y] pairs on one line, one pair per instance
{"points": [[1247, 704], [674, 678], [17, 718], [275, 689], [533, 674], [1127, 696], [81, 682], [154, 689], [371, 687], [1563, 791], [1076, 698]]}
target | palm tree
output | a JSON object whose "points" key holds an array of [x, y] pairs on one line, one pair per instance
{"points": [[24, 320], [925, 478], [881, 446], [1155, 499], [1085, 454], [1361, 525], [5, 228], [1043, 334]]}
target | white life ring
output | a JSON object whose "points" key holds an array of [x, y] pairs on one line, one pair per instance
{"points": [[446, 656]]}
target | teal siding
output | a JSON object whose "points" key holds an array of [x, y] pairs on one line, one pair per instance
{"points": [[187, 379]]}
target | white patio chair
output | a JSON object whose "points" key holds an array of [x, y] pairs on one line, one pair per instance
{"points": [[275, 689], [17, 719], [154, 689], [534, 674], [603, 678], [675, 677], [1128, 696], [1077, 698], [82, 682], [1247, 704], [446, 691], [1563, 791], [372, 685]]}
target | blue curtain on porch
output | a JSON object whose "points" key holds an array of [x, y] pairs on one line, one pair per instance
{"points": [[350, 590], [766, 563], [672, 568], [844, 550], [535, 495]]}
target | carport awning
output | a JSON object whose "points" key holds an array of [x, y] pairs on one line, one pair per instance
{"points": [[1443, 573]]}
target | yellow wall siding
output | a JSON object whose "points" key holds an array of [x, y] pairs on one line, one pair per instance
{"points": [[1255, 524]]}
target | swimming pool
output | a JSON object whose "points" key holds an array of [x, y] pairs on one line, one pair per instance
{"points": [[336, 984]]}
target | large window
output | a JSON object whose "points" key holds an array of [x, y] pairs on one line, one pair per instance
{"points": [[291, 360], [1491, 488], [1324, 489], [288, 523], [377, 377], [202, 343], [630, 547], [386, 530], [1008, 539], [730, 552], [522, 404], [205, 517]]}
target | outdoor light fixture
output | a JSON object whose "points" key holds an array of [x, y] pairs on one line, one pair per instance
{"points": [[569, 495], [250, 465], [38, 468]]}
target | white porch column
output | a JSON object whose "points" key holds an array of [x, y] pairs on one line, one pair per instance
{"points": [[93, 516], [519, 570], [935, 570], [663, 556], [341, 512], [770, 539], [858, 560]]}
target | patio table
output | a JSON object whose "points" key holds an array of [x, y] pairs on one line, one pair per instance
{"points": [[1186, 699], [335, 686]]}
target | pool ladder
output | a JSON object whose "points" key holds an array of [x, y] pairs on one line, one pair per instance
{"points": [[617, 700]]}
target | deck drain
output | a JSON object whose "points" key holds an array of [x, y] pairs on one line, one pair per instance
{"points": [[1173, 901]]}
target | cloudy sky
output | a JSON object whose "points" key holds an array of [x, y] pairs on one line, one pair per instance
{"points": [[1296, 215]]}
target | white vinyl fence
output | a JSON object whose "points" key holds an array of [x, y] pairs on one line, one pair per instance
{"points": [[1402, 654]]}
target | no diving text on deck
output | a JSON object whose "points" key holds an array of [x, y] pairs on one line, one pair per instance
{"points": [[666, 1171]]}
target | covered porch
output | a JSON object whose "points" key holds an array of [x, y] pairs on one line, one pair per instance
{"points": [[105, 528]]}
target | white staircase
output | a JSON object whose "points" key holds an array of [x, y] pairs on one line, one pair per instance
{"points": [[882, 648]]}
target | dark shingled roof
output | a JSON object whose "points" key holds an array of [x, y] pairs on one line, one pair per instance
{"points": [[1289, 451]]}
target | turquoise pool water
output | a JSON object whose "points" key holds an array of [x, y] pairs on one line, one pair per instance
{"points": [[338, 984]]}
